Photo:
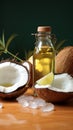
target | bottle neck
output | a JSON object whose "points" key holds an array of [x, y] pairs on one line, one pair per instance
{"points": [[43, 36]]}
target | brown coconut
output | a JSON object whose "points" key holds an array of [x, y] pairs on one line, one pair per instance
{"points": [[64, 61], [18, 91], [59, 91]]}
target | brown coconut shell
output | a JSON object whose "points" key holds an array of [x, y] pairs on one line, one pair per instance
{"points": [[20, 90], [53, 96], [64, 61], [14, 94]]}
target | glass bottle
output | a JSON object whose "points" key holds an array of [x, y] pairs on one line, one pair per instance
{"points": [[44, 53]]}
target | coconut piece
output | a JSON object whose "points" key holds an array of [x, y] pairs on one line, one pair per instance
{"points": [[64, 61], [13, 79], [60, 90], [29, 66]]}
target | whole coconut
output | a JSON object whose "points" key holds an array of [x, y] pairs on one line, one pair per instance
{"points": [[64, 61]]}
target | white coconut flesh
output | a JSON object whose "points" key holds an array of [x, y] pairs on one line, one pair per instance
{"points": [[62, 83], [12, 77]]}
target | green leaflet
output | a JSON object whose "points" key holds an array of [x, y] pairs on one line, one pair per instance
{"points": [[59, 45], [9, 41], [4, 46], [3, 40]]}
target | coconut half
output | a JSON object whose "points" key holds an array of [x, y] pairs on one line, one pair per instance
{"points": [[13, 79], [60, 90]]}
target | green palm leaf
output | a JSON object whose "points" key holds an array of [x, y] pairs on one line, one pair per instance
{"points": [[9, 41], [3, 40], [2, 47], [59, 45]]}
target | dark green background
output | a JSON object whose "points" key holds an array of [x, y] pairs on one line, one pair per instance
{"points": [[24, 16]]}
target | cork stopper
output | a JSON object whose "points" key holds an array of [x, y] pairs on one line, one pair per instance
{"points": [[44, 29]]}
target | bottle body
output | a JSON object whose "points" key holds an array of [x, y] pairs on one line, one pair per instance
{"points": [[43, 57]]}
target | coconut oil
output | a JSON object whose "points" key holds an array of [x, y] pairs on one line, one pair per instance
{"points": [[44, 53], [6, 84]]}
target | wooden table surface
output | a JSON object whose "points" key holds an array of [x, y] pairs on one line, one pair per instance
{"points": [[15, 117]]}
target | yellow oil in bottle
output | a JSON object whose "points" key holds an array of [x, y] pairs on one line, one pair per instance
{"points": [[43, 62], [44, 53]]}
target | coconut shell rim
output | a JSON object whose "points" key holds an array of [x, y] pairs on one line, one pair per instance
{"points": [[14, 94]]}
